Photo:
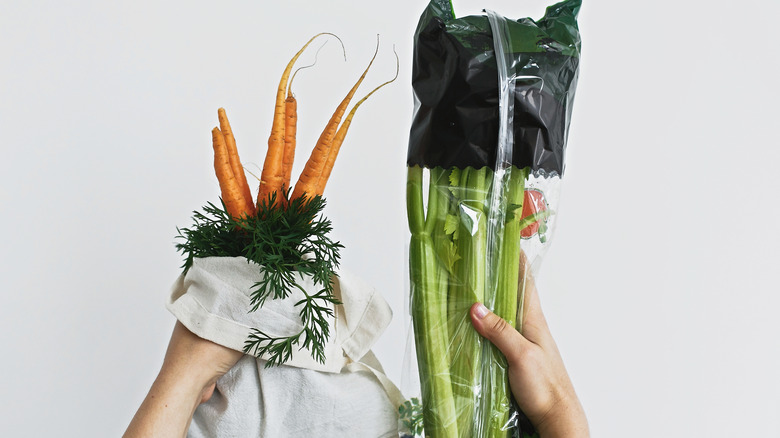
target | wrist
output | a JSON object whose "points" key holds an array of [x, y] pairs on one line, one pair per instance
{"points": [[565, 419], [190, 377], [195, 361], [168, 408]]}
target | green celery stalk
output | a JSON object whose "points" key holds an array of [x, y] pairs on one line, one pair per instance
{"points": [[508, 295], [429, 306], [468, 288]]}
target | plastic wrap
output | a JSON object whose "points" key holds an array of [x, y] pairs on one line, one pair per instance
{"points": [[493, 100]]}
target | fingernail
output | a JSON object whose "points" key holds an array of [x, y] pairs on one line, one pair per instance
{"points": [[481, 311]]}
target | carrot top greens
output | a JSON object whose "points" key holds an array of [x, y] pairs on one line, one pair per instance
{"points": [[285, 243]]}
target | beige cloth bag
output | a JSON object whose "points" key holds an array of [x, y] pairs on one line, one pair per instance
{"points": [[347, 395]]}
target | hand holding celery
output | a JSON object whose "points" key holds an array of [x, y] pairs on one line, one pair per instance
{"points": [[538, 378], [493, 99]]}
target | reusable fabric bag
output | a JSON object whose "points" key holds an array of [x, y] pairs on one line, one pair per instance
{"points": [[347, 395]]}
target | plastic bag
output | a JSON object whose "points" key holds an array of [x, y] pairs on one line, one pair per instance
{"points": [[493, 101]]}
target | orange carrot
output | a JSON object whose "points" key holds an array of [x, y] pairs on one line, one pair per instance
{"points": [[231, 191], [290, 128], [291, 122], [342, 133], [235, 162], [272, 177], [308, 181]]}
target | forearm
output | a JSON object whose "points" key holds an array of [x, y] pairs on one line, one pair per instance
{"points": [[168, 407], [188, 376]]}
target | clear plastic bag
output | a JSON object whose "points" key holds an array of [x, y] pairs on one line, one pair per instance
{"points": [[493, 102]]}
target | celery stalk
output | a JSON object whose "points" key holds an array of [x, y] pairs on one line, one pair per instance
{"points": [[470, 270], [429, 305], [506, 303]]}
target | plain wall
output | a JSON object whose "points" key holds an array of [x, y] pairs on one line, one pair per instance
{"points": [[660, 285]]}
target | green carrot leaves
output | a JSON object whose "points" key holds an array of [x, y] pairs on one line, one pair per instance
{"points": [[286, 243]]}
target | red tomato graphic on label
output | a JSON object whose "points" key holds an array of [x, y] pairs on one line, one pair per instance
{"points": [[533, 202]]}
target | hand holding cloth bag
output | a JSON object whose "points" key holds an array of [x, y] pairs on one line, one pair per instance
{"points": [[347, 395], [493, 102]]}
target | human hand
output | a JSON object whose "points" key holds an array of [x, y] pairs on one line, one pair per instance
{"points": [[187, 378], [199, 360], [537, 376]]}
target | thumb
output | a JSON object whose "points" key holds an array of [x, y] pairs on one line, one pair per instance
{"points": [[496, 330]]}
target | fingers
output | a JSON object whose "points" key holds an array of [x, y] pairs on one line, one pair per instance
{"points": [[527, 287], [499, 332], [534, 325]]}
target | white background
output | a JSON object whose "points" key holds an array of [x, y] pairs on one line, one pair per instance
{"points": [[660, 285]]}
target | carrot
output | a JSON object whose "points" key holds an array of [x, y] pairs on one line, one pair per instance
{"points": [[232, 195], [342, 133], [272, 176], [235, 162], [291, 122], [290, 128], [309, 178]]}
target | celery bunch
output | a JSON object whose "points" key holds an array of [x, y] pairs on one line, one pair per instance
{"points": [[493, 101], [465, 247]]}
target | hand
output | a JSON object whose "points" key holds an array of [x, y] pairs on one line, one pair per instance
{"points": [[187, 378], [200, 360], [537, 376]]}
